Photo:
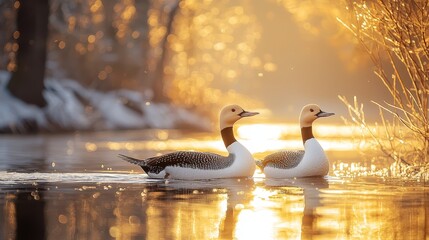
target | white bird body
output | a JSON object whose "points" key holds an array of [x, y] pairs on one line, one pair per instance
{"points": [[311, 162], [314, 163], [156, 175], [191, 165], [243, 165]]}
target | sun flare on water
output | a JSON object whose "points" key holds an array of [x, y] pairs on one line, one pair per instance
{"points": [[258, 138]]}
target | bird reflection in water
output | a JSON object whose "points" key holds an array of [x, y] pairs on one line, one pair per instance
{"points": [[237, 194], [312, 199]]}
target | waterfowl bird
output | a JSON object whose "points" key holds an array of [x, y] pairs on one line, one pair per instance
{"points": [[202, 165], [311, 161]]}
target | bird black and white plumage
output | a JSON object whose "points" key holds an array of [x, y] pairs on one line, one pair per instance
{"points": [[310, 162], [203, 165], [184, 159], [283, 159]]}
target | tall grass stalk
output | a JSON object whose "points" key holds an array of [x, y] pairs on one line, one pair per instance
{"points": [[396, 36]]}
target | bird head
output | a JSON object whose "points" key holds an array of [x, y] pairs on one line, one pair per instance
{"points": [[232, 113], [311, 112]]}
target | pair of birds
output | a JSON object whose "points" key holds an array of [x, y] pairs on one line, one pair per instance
{"points": [[192, 165]]}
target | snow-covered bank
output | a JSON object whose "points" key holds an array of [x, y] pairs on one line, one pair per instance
{"points": [[71, 106]]}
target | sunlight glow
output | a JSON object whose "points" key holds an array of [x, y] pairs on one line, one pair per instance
{"points": [[265, 217], [276, 131], [270, 137], [257, 138], [186, 218], [211, 45], [186, 144], [256, 224], [261, 131]]}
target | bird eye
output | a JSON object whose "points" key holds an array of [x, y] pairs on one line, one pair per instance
{"points": [[233, 110], [311, 110]]}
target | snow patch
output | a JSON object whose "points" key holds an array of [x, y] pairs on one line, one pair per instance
{"points": [[74, 107]]}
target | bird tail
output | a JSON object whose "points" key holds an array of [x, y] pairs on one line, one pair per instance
{"points": [[259, 164], [132, 160]]}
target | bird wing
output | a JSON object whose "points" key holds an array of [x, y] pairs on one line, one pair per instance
{"points": [[189, 159], [283, 159]]}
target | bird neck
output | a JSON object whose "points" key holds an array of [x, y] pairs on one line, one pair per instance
{"points": [[228, 136], [306, 133]]}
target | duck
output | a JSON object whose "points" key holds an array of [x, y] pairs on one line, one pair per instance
{"points": [[310, 162], [193, 165]]}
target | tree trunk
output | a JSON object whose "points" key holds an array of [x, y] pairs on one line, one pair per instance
{"points": [[26, 82], [158, 81]]}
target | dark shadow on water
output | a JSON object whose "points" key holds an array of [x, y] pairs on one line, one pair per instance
{"points": [[30, 216], [23, 213]]}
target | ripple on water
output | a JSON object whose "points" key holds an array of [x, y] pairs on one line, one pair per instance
{"points": [[11, 178]]}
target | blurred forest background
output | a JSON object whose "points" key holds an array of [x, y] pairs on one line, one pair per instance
{"points": [[109, 64]]}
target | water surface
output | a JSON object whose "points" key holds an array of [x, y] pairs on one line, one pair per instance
{"points": [[72, 186]]}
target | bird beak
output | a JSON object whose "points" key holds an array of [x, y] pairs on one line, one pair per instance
{"points": [[324, 114], [247, 114]]}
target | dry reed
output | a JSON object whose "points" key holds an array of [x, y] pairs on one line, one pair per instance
{"points": [[396, 36]]}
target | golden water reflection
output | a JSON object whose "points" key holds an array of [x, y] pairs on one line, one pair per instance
{"points": [[349, 204], [228, 209]]}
